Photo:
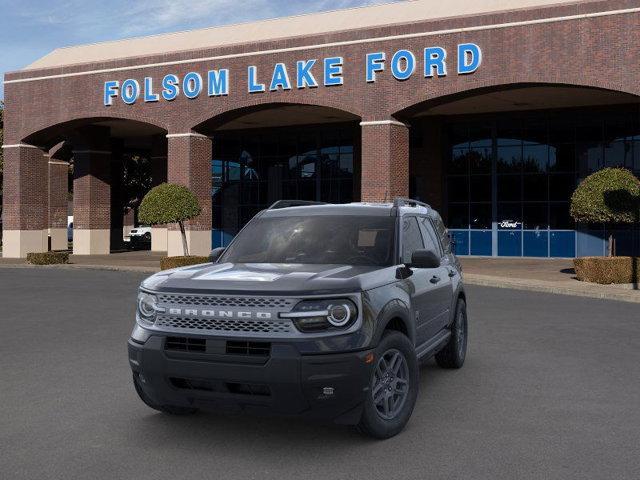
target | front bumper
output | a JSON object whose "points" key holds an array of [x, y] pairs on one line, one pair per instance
{"points": [[327, 386]]}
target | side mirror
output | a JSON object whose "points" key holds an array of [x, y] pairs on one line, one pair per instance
{"points": [[215, 254], [425, 259]]}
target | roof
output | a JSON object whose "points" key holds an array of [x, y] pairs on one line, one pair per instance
{"points": [[279, 28], [345, 209], [354, 208]]}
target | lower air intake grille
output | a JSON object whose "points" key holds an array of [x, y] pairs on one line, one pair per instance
{"points": [[259, 349], [186, 344], [220, 386]]}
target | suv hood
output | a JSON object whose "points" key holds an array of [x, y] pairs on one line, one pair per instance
{"points": [[269, 278]]}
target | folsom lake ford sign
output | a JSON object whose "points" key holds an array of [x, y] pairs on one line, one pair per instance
{"points": [[309, 73]]}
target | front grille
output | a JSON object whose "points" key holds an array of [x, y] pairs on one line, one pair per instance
{"points": [[186, 344], [222, 301], [259, 349], [223, 325]]}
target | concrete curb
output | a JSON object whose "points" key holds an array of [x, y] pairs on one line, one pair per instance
{"points": [[604, 292], [74, 266]]}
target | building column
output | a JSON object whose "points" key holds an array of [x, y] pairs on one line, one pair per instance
{"points": [[58, 191], [25, 211], [189, 164], [92, 193], [385, 160], [159, 233]]}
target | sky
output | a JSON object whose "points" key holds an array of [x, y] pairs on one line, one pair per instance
{"points": [[29, 29]]}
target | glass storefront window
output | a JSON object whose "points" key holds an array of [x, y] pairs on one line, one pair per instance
{"points": [[457, 189], [535, 188], [481, 188], [535, 216], [480, 216], [458, 215], [534, 160], [509, 187], [510, 158], [480, 160], [254, 168]]}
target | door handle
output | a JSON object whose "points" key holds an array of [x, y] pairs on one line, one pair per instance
{"points": [[435, 279]]}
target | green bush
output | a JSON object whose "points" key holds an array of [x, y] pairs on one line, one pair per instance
{"points": [[607, 270], [611, 195], [48, 258], [169, 203], [168, 263]]}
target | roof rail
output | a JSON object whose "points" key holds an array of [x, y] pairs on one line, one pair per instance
{"points": [[407, 202], [293, 203]]}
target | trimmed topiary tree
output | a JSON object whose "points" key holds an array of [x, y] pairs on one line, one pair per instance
{"points": [[611, 195], [170, 203]]}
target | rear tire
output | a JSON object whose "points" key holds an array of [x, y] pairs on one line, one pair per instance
{"points": [[454, 353], [168, 409], [394, 386]]}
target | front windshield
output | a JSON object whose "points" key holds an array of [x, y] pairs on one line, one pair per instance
{"points": [[344, 239]]}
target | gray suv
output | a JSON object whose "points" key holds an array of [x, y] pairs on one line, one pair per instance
{"points": [[313, 309]]}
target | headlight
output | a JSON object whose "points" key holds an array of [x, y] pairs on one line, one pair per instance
{"points": [[318, 315], [147, 307]]}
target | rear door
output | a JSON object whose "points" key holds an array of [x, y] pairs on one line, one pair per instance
{"points": [[441, 293], [418, 283]]}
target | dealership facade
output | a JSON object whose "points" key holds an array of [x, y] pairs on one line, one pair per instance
{"points": [[491, 111]]}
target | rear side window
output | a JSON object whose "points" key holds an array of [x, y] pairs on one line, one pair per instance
{"points": [[430, 239], [443, 234], [411, 238]]}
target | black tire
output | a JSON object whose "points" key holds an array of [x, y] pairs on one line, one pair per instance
{"points": [[147, 236], [373, 422], [169, 409], [454, 353]]}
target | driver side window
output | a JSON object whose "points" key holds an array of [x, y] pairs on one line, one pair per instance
{"points": [[411, 238]]}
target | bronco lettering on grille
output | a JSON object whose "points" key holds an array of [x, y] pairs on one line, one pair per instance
{"points": [[219, 313]]}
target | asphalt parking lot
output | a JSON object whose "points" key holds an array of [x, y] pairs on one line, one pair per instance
{"points": [[550, 390]]}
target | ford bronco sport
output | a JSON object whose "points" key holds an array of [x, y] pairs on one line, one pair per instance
{"points": [[313, 309]]}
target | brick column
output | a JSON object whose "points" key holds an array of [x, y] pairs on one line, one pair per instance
{"points": [[25, 212], [385, 160], [189, 164], [92, 192], [159, 175], [58, 191]]}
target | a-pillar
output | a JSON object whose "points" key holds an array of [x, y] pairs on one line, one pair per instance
{"points": [[25, 212], [159, 175], [58, 192], [92, 192], [385, 160], [189, 164]]}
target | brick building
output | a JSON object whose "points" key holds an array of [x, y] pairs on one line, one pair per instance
{"points": [[490, 110]]}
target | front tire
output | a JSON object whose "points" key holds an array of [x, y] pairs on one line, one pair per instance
{"points": [[454, 353], [168, 409], [393, 389]]}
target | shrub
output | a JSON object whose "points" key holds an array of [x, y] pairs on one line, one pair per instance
{"points": [[607, 270], [48, 258], [611, 195], [168, 263], [169, 203]]}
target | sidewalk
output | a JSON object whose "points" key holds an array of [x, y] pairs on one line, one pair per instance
{"points": [[540, 275], [137, 261]]}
